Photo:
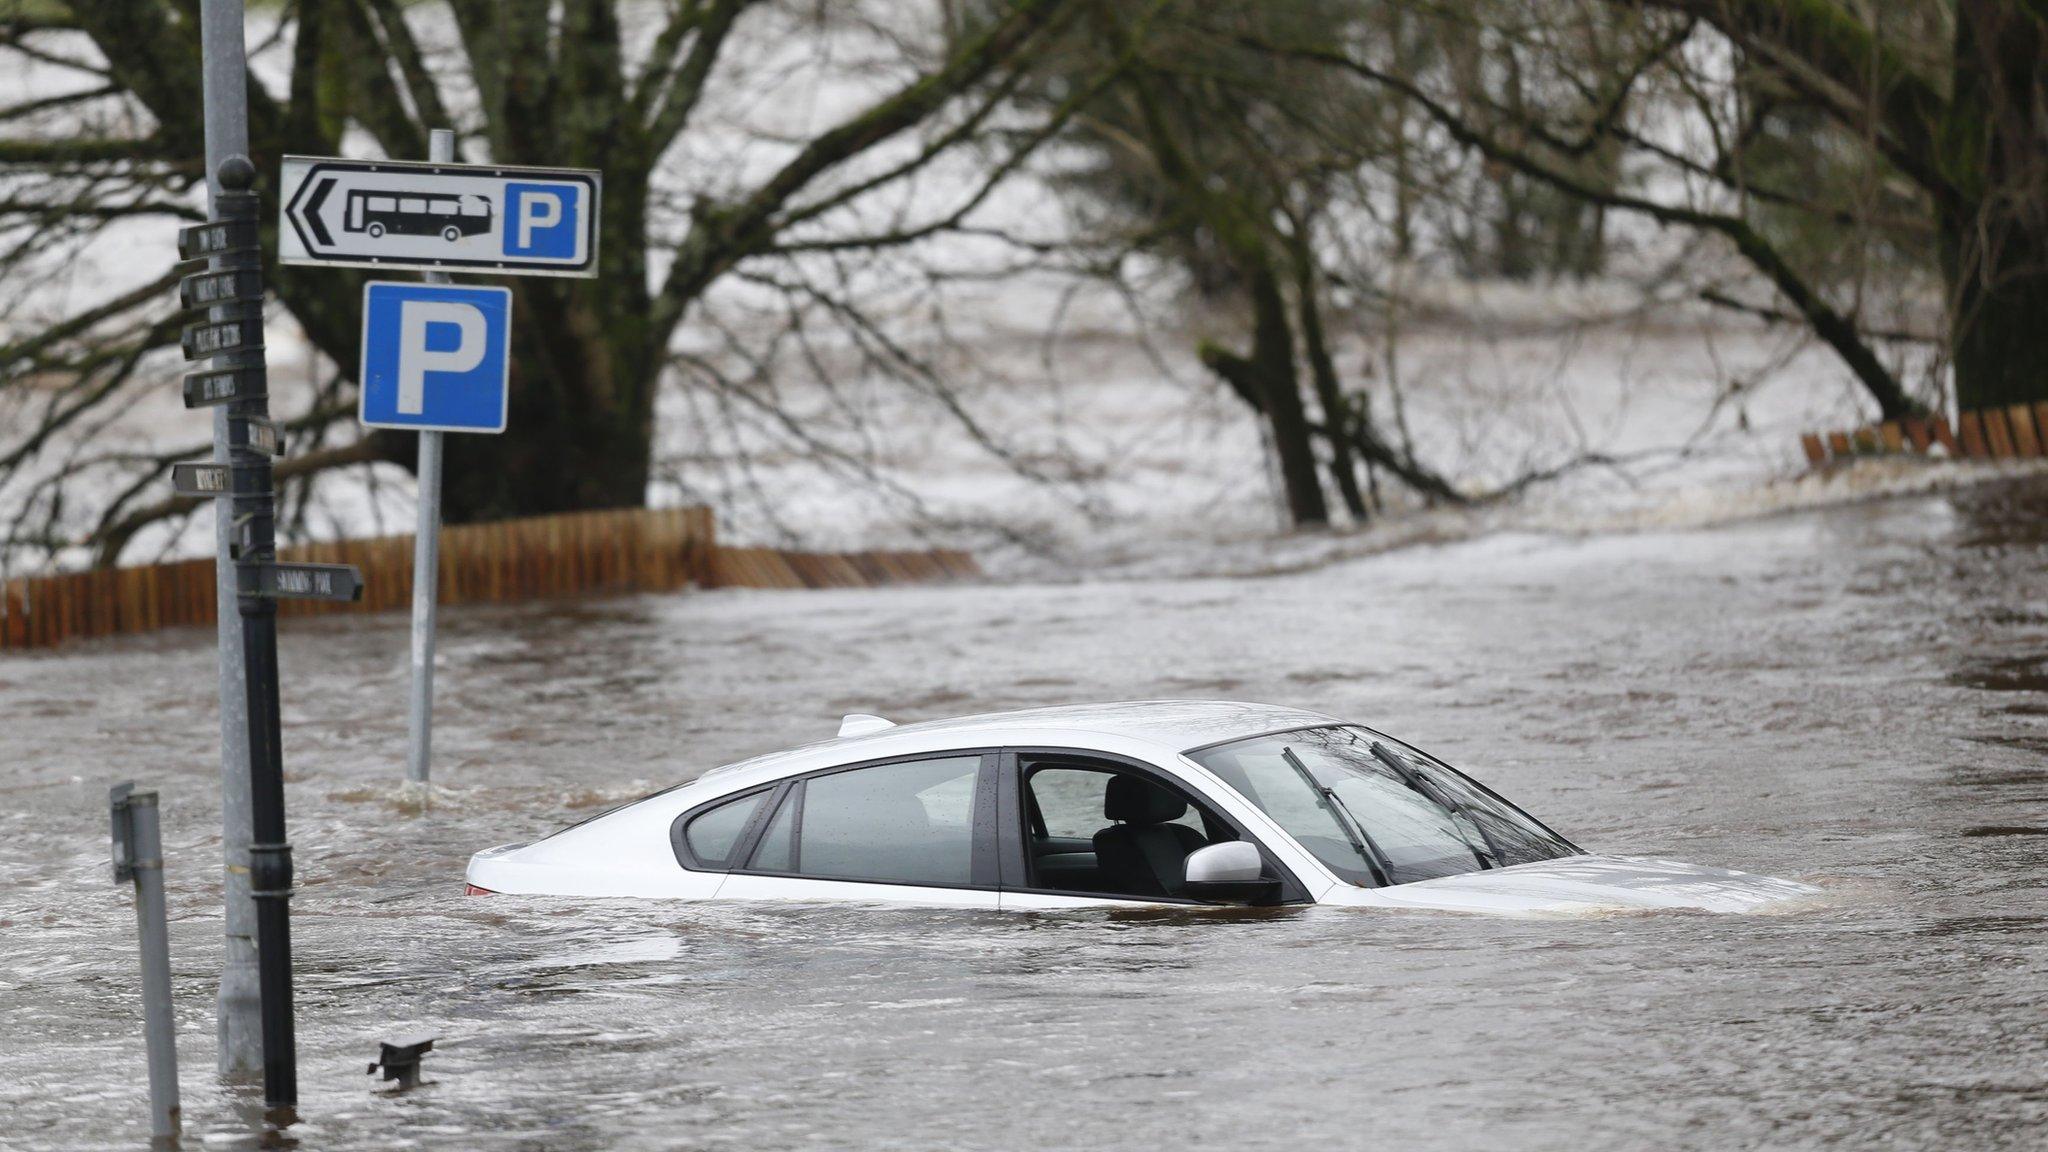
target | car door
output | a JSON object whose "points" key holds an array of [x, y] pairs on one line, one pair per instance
{"points": [[915, 830], [1067, 832]]}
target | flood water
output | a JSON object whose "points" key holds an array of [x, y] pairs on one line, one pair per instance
{"points": [[1855, 697]]}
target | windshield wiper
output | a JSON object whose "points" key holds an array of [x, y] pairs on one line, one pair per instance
{"points": [[1353, 830], [1491, 857]]}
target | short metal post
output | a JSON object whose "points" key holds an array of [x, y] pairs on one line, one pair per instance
{"points": [[426, 554], [138, 856]]}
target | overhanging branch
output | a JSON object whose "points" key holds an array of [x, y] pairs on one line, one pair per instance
{"points": [[1835, 329]]}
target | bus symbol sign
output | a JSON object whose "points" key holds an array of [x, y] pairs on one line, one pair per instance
{"points": [[396, 212], [445, 217]]}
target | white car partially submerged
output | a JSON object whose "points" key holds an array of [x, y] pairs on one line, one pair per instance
{"points": [[1153, 802]]}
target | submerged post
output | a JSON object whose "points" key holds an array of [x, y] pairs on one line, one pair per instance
{"points": [[138, 856], [426, 555]]}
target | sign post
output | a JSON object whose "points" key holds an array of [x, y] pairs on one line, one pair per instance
{"points": [[436, 357], [225, 96], [426, 539], [235, 383], [139, 856]]}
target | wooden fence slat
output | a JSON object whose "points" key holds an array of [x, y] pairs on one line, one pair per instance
{"points": [[1946, 436], [1971, 428], [13, 615], [1919, 435], [2025, 441], [1998, 432], [1892, 436], [961, 564], [1816, 452]]}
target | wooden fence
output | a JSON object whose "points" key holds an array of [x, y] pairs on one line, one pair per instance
{"points": [[579, 554], [2019, 432]]}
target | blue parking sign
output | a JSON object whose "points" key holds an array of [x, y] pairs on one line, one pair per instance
{"points": [[436, 357], [542, 219]]}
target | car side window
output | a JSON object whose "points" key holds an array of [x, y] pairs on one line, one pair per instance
{"points": [[713, 834], [1070, 803], [777, 850], [906, 823], [1097, 831]]}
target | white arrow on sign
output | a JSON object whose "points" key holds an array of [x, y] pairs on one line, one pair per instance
{"points": [[475, 217]]}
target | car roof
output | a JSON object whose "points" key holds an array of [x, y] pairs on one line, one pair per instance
{"points": [[1178, 724], [1171, 726]]}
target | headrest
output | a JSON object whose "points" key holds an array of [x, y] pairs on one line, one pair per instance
{"points": [[1136, 800]]}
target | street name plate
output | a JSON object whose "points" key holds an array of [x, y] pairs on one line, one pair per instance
{"points": [[203, 340], [216, 238], [223, 386], [476, 217], [234, 286], [311, 581], [201, 479], [215, 480], [242, 539], [258, 434]]}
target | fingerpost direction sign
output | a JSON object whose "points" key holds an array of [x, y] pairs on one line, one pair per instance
{"points": [[310, 581], [439, 217], [216, 386]]}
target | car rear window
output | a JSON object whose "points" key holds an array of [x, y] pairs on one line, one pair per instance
{"points": [[712, 835]]}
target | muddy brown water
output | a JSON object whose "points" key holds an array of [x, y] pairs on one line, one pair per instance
{"points": [[1856, 697]]}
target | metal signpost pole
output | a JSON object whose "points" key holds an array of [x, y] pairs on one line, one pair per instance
{"points": [[238, 379], [426, 554], [224, 75], [138, 856], [270, 854], [245, 486]]}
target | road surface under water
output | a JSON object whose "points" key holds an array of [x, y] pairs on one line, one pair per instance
{"points": [[1855, 697]]}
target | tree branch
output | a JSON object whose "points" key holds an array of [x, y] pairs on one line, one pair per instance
{"points": [[682, 86], [1831, 326], [33, 346], [1882, 91], [719, 237], [404, 48]]}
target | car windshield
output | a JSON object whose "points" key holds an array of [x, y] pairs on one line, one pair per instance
{"points": [[1377, 811]]}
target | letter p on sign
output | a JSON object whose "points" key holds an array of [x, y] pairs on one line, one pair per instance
{"points": [[417, 357], [435, 357]]}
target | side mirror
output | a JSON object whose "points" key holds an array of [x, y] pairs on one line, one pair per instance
{"points": [[1232, 872]]}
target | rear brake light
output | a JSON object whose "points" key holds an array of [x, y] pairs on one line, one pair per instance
{"points": [[473, 890]]}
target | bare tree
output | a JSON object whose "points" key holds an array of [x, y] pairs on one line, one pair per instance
{"points": [[1973, 143], [590, 83]]}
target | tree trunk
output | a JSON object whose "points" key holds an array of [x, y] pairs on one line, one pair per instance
{"points": [[2000, 327], [1995, 241], [1273, 359], [1329, 396], [580, 431], [577, 437], [1267, 382]]}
